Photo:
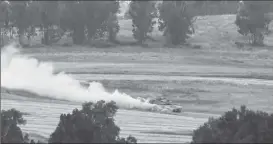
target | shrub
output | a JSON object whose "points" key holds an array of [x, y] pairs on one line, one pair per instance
{"points": [[142, 14], [93, 123], [89, 20], [251, 19], [237, 126], [10, 132], [176, 21]]}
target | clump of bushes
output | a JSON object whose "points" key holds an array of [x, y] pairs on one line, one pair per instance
{"points": [[10, 131], [176, 21], [237, 126], [252, 20], [94, 123], [142, 14]]}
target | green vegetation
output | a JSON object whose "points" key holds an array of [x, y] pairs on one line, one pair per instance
{"points": [[237, 126], [142, 14], [10, 132], [94, 123], [86, 21], [176, 21], [252, 19]]}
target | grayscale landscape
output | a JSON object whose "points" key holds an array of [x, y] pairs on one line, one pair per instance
{"points": [[205, 78]]}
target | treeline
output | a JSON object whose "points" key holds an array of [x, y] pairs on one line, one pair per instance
{"points": [[82, 19], [94, 123], [89, 20]]}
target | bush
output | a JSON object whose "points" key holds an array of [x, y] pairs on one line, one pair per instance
{"points": [[10, 132], [251, 19], [89, 20], [142, 14], [237, 126], [176, 21], [93, 123]]}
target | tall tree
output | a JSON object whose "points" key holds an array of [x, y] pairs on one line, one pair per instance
{"points": [[73, 19], [19, 17], [112, 21], [251, 19], [94, 123], [10, 132], [4, 10], [176, 21], [97, 15], [90, 19], [50, 17], [142, 14]]}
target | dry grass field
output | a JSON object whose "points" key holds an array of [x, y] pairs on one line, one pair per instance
{"points": [[205, 82]]}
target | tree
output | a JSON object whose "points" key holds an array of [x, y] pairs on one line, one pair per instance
{"points": [[19, 17], [251, 19], [50, 17], [94, 123], [10, 132], [176, 21], [90, 19], [73, 19], [98, 13], [112, 27], [25, 16], [237, 126], [142, 14], [4, 13], [33, 16], [112, 21]]}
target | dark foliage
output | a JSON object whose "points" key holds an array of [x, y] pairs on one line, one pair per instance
{"points": [[4, 19], [72, 19], [10, 132], [176, 21], [252, 19], [87, 21], [94, 123], [142, 14], [237, 126], [90, 19]]}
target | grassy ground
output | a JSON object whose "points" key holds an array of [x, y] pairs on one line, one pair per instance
{"points": [[151, 69], [164, 72]]}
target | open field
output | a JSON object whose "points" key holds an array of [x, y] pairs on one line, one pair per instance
{"points": [[205, 82]]}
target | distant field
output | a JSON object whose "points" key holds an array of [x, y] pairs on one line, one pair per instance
{"points": [[205, 82]]}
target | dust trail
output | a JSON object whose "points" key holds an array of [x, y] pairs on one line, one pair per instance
{"points": [[20, 72]]}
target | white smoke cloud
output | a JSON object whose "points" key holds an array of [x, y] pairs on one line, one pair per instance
{"points": [[20, 72]]}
